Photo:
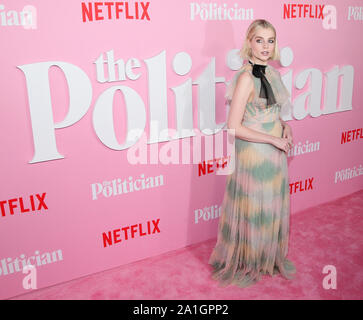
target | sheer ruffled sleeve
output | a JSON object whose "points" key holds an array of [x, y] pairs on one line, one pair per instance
{"points": [[282, 94], [232, 86]]}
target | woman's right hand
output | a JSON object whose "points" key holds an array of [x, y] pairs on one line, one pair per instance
{"points": [[281, 143]]}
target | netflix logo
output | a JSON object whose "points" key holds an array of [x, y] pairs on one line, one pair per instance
{"points": [[351, 135], [211, 166], [96, 11], [23, 205], [130, 232], [299, 10], [300, 186]]}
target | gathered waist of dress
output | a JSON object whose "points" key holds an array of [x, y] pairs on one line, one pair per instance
{"points": [[270, 127], [255, 121]]}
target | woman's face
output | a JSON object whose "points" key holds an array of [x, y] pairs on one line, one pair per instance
{"points": [[262, 45]]}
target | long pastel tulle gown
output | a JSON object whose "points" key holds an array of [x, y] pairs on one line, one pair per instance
{"points": [[253, 229]]}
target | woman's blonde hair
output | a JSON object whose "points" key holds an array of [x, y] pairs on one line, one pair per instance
{"points": [[246, 51]]}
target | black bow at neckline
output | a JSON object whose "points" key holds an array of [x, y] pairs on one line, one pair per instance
{"points": [[266, 92]]}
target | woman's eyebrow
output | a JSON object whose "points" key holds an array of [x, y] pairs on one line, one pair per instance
{"points": [[262, 37]]}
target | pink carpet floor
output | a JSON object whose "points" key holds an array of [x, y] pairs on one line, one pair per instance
{"points": [[329, 234]]}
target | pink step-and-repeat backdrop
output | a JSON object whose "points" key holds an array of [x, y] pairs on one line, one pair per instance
{"points": [[104, 106]]}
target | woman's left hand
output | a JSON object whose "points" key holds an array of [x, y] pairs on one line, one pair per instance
{"points": [[287, 133]]}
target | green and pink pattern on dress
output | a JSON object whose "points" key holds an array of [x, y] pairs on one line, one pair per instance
{"points": [[253, 229]]}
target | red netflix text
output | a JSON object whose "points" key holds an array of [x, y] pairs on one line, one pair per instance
{"points": [[351, 135], [209, 166], [23, 205], [130, 232], [95, 11], [299, 10], [300, 186]]}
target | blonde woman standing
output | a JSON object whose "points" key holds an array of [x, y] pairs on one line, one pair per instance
{"points": [[253, 229]]}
